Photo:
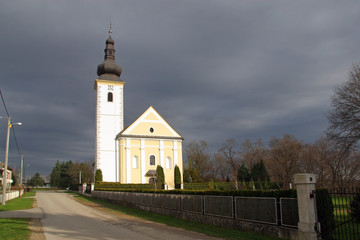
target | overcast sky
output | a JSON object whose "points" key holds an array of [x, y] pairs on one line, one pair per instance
{"points": [[214, 69]]}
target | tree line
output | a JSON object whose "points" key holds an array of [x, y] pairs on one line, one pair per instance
{"points": [[284, 157], [68, 174], [334, 158]]}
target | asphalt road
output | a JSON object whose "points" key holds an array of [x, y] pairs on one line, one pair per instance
{"points": [[65, 218]]}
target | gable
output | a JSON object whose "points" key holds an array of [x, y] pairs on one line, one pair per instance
{"points": [[150, 124]]}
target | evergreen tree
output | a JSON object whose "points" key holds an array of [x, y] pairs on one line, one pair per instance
{"points": [[55, 175], [177, 177], [37, 180], [98, 176], [243, 174], [259, 172], [160, 177]]}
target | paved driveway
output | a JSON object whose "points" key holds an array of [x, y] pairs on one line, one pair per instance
{"points": [[65, 218]]}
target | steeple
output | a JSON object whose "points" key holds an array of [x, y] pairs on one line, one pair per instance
{"points": [[109, 70]]}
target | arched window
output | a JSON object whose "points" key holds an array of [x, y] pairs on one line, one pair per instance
{"points": [[135, 162], [152, 160], [168, 162], [110, 97]]}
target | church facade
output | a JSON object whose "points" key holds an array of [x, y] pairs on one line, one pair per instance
{"points": [[130, 155]]}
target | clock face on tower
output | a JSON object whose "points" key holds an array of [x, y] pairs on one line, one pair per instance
{"points": [[110, 87]]}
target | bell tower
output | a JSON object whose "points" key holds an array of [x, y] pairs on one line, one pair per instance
{"points": [[109, 112]]}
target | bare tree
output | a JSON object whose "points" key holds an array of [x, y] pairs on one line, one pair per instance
{"points": [[230, 155], [198, 158], [284, 160], [345, 117], [252, 152], [219, 168]]}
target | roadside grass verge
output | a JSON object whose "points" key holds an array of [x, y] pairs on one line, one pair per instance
{"points": [[209, 230], [19, 203], [16, 228]]}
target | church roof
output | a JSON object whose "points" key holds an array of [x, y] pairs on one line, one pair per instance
{"points": [[150, 125]]}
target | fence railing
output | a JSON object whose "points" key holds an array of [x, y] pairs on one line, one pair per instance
{"points": [[264, 210], [340, 222]]}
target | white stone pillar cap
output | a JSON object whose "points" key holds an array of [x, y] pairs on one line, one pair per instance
{"points": [[304, 178]]}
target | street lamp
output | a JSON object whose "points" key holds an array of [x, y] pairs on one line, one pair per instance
{"points": [[9, 125]]}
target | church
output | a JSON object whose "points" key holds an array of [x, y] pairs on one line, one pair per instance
{"points": [[130, 155]]}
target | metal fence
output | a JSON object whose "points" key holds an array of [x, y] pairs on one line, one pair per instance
{"points": [[281, 212], [340, 223]]}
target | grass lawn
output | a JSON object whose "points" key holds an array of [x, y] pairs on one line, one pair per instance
{"points": [[12, 228], [19, 203], [210, 230], [346, 230]]}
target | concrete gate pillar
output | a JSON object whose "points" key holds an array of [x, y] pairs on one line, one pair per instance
{"points": [[305, 184]]}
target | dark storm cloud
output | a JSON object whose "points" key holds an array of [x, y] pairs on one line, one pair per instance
{"points": [[213, 69]]}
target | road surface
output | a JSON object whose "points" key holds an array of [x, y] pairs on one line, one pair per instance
{"points": [[65, 218]]}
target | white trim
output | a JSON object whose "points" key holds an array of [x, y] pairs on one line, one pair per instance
{"points": [[162, 157], [142, 159], [175, 152], [128, 161]]}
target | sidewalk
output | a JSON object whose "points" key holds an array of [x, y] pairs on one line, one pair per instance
{"points": [[27, 213]]}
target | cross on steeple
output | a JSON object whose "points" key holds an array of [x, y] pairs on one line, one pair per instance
{"points": [[110, 28]]}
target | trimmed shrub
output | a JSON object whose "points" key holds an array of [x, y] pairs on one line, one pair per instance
{"points": [[120, 186], [355, 207], [325, 212], [177, 177], [98, 176], [160, 177], [241, 193]]}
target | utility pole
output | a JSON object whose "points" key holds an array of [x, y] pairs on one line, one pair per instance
{"points": [[9, 125], [21, 170], [6, 162]]}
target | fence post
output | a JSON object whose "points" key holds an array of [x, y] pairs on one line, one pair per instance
{"points": [[305, 184]]}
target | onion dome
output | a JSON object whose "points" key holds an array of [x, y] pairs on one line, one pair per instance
{"points": [[109, 70]]}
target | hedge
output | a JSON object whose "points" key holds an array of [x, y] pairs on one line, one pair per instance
{"points": [[243, 193], [120, 186]]}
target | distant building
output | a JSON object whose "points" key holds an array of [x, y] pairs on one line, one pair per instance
{"points": [[130, 155], [8, 176]]}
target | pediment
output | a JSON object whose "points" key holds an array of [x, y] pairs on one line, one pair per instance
{"points": [[150, 124]]}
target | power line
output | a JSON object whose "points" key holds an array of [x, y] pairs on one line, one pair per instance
{"points": [[13, 128], [4, 104]]}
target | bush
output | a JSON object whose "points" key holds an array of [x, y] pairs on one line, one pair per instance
{"points": [[120, 186], [355, 207], [160, 177], [325, 212], [177, 177], [238, 193], [98, 176]]}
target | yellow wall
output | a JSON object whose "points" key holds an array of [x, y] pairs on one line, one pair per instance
{"points": [[152, 147]]}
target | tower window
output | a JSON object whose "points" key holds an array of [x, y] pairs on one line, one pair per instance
{"points": [[152, 160], [110, 97]]}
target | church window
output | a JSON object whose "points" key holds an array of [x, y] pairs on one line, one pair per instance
{"points": [[151, 130], [168, 162], [135, 162], [152, 160], [110, 97]]}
